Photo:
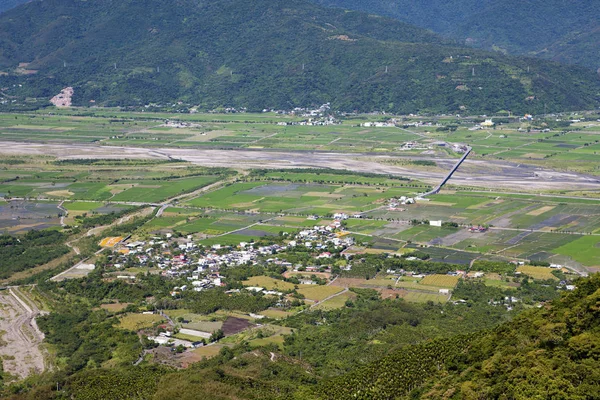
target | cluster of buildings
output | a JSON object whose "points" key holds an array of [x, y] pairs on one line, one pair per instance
{"points": [[182, 258], [321, 237], [389, 124], [395, 203], [321, 111], [414, 146], [316, 121], [460, 148], [180, 124]]}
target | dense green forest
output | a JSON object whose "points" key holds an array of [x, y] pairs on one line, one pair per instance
{"points": [[264, 54], [565, 31], [18, 253], [8, 4], [547, 353]]}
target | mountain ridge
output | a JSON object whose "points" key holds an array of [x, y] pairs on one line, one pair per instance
{"points": [[546, 29], [8, 4], [267, 54]]}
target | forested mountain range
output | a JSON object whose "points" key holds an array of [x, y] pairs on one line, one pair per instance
{"points": [[266, 54], [8, 4], [560, 30]]}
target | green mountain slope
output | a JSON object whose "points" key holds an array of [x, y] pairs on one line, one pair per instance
{"points": [[262, 54], [548, 353], [560, 30], [8, 4]]}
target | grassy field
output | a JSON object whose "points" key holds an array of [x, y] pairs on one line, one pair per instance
{"points": [[269, 283], [336, 302], [586, 250], [536, 272], [114, 307], [135, 322], [318, 292], [444, 281], [423, 297], [276, 314], [208, 351]]}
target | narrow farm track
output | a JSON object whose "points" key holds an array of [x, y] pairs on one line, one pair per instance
{"points": [[65, 213]]}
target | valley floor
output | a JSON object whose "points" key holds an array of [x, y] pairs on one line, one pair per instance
{"points": [[488, 174]]}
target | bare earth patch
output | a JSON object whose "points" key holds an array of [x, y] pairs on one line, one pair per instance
{"points": [[60, 193], [64, 98], [540, 211], [21, 339]]}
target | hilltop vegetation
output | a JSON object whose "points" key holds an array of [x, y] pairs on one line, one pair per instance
{"points": [[557, 30], [546, 353], [266, 54], [8, 4]]}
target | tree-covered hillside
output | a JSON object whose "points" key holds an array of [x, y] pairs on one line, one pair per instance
{"points": [[561, 30], [547, 353], [8, 4], [264, 54]]}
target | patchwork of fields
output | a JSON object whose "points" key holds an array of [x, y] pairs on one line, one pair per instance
{"points": [[271, 203], [572, 147]]}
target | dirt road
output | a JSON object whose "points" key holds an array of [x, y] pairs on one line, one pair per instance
{"points": [[21, 338]]}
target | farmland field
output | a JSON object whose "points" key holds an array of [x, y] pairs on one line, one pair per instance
{"points": [[336, 302], [536, 272], [268, 283], [445, 281], [276, 314], [88, 189], [136, 322], [585, 250], [318, 292], [296, 198], [573, 150]]}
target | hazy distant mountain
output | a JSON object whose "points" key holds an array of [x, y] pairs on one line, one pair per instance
{"points": [[8, 4], [563, 30], [266, 53]]}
